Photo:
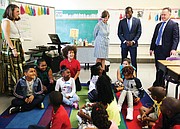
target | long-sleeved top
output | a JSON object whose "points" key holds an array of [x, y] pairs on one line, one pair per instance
{"points": [[22, 88], [134, 85], [68, 88], [60, 119]]}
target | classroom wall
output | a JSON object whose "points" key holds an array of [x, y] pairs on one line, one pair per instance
{"points": [[114, 50], [105, 4]]}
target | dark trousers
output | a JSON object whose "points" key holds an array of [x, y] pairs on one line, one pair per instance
{"points": [[160, 75], [50, 87], [133, 54], [78, 84], [28, 106], [36, 127]]}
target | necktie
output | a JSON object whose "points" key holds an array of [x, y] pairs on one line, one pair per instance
{"points": [[160, 33], [129, 24]]}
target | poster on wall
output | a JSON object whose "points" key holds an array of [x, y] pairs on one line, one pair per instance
{"points": [[3, 4], [25, 27]]}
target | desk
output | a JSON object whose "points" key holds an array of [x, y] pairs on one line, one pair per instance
{"points": [[174, 72], [85, 54], [164, 63]]}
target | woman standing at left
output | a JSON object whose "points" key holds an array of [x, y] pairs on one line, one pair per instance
{"points": [[12, 52], [101, 39]]}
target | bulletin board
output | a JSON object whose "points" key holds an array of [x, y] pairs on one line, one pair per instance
{"points": [[83, 20], [148, 17], [37, 21]]}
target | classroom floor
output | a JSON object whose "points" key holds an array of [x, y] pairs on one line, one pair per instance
{"points": [[146, 73]]}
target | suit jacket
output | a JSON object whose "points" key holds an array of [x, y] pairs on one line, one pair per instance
{"points": [[170, 37], [133, 34]]}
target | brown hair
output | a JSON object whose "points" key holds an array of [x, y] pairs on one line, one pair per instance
{"points": [[128, 70], [128, 60], [9, 12], [104, 14], [169, 9], [69, 48]]}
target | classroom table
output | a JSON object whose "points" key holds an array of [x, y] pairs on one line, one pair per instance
{"points": [[163, 64], [174, 72]]}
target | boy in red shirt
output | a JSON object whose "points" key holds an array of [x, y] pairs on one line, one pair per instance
{"points": [[170, 114], [60, 119]]}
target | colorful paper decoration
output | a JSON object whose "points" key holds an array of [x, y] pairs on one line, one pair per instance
{"points": [[34, 11], [48, 11], [22, 11], [42, 10], [157, 17], [149, 18], [31, 10], [120, 17], [39, 11], [26, 9], [45, 11]]}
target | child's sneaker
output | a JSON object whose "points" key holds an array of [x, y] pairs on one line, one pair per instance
{"points": [[41, 105], [139, 118], [13, 110], [75, 105], [145, 127]]}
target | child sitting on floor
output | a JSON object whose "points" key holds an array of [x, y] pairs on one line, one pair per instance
{"points": [[170, 114], [100, 116], [132, 90], [126, 62], [69, 52], [120, 76], [96, 71], [66, 85], [106, 97], [28, 92], [45, 74], [60, 119], [148, 116]]}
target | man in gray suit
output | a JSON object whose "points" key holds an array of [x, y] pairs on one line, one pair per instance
{"points": [[129, 31], [164, 42]]}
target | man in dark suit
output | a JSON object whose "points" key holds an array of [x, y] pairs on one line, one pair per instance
{"points": [[164, 42], [129, 31]]}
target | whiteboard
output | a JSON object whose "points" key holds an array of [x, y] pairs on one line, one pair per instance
{"points": [[148, 25], [35, 29]]}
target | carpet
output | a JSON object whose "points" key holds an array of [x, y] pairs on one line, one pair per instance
{"points": [[42, 116], [145, 101]]}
